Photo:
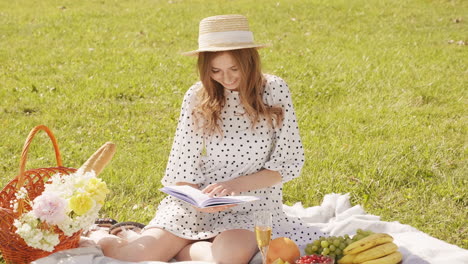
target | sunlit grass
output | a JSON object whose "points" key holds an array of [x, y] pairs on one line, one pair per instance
{"points": [[378, 86]]}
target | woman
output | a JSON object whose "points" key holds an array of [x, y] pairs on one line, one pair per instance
{"points": [[237, 134]]}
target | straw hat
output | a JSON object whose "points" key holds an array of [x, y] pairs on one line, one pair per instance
{"points": [[225, 32]]}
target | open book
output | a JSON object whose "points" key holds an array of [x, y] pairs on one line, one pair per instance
{"points": [[201, 200]]}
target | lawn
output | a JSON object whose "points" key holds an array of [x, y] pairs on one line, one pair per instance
{"points": [[379, 89]]}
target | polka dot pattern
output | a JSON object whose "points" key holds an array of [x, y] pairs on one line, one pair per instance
{"points": [[239, 151]]}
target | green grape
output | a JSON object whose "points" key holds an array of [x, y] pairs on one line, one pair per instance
{"points": [[314, 248], [325, 251], [334, 245], [333, 256], [336, 242], [358, 237], [324, 244]]}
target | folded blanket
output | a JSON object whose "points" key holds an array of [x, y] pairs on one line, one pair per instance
{"points": [[336, 216]]}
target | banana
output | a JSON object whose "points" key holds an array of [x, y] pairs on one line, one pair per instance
{"points": [[375, 252], [393, 258], [347, 259], [367, 242]]}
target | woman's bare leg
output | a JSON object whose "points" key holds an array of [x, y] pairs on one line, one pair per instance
{"points": [[198, 251], [153, 244], [234, 246], [103, 239], [230, 247]]}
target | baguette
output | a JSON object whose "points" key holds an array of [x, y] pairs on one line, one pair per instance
{"points": [[98, 161]]}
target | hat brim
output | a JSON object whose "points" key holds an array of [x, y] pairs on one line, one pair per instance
{"points": [[215, 49]]}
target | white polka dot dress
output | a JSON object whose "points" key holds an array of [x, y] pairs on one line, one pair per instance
{"points": [[239, 151]]}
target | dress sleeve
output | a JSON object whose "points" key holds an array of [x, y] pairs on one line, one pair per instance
{"points": [[185, 156], [287, 155]]}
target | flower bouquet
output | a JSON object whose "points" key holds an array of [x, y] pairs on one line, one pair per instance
{"points": [[44, 210], [70, 203]]}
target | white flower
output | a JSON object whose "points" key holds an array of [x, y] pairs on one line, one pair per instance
{"points": [[50, 208], [25, 228], [53, 208]]}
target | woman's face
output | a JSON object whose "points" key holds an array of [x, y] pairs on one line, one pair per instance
{"points": [[225, 71]]}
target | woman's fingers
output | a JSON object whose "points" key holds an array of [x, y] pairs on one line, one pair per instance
{"points": [[218, 189], [214, 189], [223, 192], [209, 188]]}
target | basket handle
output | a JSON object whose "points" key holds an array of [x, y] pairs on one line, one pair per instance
{"points": [[24, 153]]}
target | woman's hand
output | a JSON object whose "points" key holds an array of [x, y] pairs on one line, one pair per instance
{"points": [[219, 189], [258, 180], [214, 209]]}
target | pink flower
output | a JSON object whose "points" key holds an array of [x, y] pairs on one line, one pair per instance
{"points": [[49, 208]]}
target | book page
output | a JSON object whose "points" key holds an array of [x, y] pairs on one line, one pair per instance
{"points": [[199, 199], [186, 193], [225, 200]]}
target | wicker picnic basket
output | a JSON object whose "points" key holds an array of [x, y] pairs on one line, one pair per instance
{"points": [[12, 246]]}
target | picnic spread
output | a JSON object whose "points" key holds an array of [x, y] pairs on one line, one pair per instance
{"points": [[62, 241], [334, 215]]}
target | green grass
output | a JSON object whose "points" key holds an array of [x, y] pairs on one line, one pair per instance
{"points": [[379, 92]]}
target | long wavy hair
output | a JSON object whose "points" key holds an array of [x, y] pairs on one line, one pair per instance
{"points": [[212, 99]]}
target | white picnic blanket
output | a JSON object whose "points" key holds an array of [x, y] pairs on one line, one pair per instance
{"points": [[336, 216]]}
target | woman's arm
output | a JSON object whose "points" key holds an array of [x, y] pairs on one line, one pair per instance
{"points": [[183, 164], [261, 179]]}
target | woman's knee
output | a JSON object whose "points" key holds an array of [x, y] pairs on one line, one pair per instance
{"points": [[197, 251], [234, 246], [152, 244]]}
